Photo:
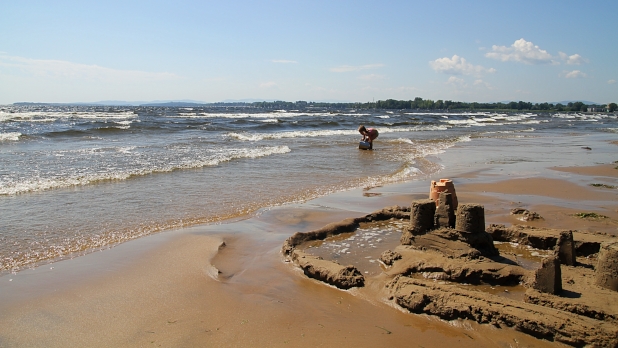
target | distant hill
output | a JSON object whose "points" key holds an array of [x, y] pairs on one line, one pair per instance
{"points": [[170, 103], [274, 100], [587, 102], [118, 103], [247, 100], [176, 104]]}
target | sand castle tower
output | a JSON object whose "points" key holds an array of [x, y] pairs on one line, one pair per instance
{"points": [[470, 218], [607, 266]]}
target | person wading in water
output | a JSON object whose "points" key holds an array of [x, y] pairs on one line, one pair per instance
{"points": [[368, 135]]}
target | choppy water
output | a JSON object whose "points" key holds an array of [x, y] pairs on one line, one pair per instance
{"points": [[74, 179]]}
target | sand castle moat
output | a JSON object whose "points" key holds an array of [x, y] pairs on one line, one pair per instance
{"points": [[444, 261]]}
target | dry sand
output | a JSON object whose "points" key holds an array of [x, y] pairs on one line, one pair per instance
{"points": [[184, 288]]}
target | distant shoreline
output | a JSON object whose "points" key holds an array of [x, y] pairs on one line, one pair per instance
{"points": [[418, 104]]}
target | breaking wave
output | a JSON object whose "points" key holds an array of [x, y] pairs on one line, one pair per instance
{"points": [[19, 185]]}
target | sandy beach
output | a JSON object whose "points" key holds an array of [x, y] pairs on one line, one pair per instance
{"points": [[219, 285], [308, 174]]}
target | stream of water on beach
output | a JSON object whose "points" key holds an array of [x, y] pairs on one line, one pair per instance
{"points": [[76, 179]]}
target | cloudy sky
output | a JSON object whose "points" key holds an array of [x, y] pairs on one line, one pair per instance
{"points": [[484, 51]]}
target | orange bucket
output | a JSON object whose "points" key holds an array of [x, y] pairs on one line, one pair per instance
{"points": [[444, 185]]}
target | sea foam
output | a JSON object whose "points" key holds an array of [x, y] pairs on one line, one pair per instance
{"points": [[12, 136]]}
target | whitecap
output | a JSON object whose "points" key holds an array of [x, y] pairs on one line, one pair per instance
{"points": [[12, 136], [35, 184]]}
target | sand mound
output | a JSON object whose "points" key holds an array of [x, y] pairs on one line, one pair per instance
{"points": [[445, 272]]}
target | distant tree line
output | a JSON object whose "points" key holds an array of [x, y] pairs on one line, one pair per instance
{"points": [[428, 104]]}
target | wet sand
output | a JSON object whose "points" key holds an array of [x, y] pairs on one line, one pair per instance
{"points": [[555, 198], [185, 288]]}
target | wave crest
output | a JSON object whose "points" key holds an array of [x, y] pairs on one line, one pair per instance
{"points": [[12, 136], [42, 184]]}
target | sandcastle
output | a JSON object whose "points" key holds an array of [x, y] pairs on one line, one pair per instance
{"points": [[444, 252]]}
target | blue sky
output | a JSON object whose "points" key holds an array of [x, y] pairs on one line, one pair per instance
{"points": [[357, 51]]}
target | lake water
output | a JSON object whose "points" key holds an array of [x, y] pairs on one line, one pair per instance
{"points": [[77, 179]]}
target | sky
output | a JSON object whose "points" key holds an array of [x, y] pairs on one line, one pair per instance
{"points": [[338, 51]]}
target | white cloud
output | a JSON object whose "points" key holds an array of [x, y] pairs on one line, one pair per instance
{"points": [[70, 70], [611, 82], [574, 59], [348, 68], [458, 66], [575, 74], [482, 83], [269, 84], [284, 61], [521, 51], [456, 81], [371, 77]]}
